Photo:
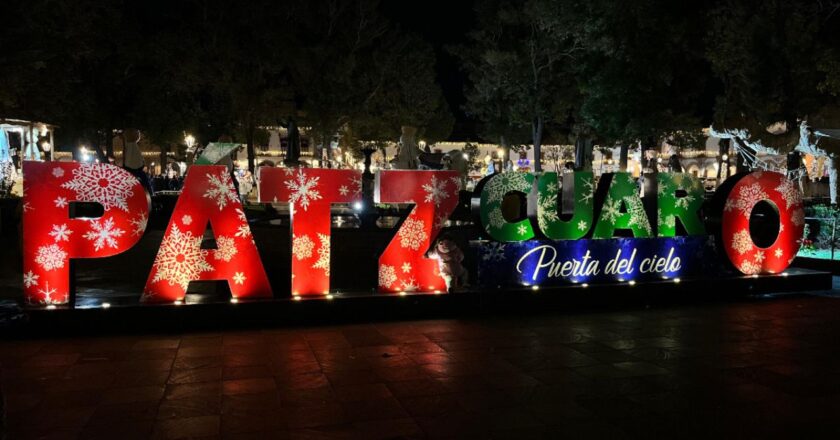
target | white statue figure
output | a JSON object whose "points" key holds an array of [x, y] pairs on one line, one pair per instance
{"points": [[409, 151]]}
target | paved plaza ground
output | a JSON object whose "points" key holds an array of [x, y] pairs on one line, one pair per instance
{"points": [[743, 369]]}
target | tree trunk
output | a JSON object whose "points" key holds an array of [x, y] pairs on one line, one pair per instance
{"points": [[109, 145], [583, 154], [537, 129], [252, 155], [505, 154], [833, 181], [164, 149], [623, 151]]}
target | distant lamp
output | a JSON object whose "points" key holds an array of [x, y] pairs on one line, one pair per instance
{"points": [[724, 157], [422, 144]]}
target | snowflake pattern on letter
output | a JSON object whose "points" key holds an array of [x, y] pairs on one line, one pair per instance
{"points": [[103, 234], [51, 257], [789, 192], [496, 219], [505, 183], [387, 275], [30, 279], [225, 248], [435, 191], [302, 246], [180, 259], [611, 211], [221, 189], [323, 261], [58, 172], [105, 184], [412, 233], [638, 216], [742, 242], [303, 190], [139, 224], [60, 233], [748, 196]]}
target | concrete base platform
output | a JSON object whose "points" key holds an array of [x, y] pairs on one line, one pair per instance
{"points": [[357, 306]]}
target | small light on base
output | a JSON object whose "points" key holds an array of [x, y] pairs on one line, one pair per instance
{"points": [[329, 296], [436, 292], [106, 305], [51, 307], [178, 302], [402, 293], [677, 280], [358, 206], [296, 297], [632, 282], [234, 300], [755, 275], [535, 287], [585, 285], [784, 274]]}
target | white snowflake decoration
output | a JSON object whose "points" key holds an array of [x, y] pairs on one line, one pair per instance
{"points": [[225, 248], [302, 247], [103, 234], [60, 233], [323, 261], [303, 190], [778, 252], [30, 279], [406, 267], [412, 234], [180, 259], [748, 196], [343, 190], [409, 286], [758, 256], [48, 294], [547, 208], [105, 184], [221, 189], [683, 202], [186, 219], [435, 191], [58, 172], [496, 219], [51, 257], [239, 278], [749, 268], [60, 202], [789, 192], [139, 224], [387, 275], [505, 183], [611, 210], [742, 242], [588, 190], [638, 216], [456, 183], [522, 229], [582, 225], [355, 186], [494, 252], [243, 231], [669, 221]]}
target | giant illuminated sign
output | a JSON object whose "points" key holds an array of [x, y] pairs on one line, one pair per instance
{"points": [[568, 228]]}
